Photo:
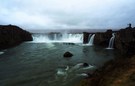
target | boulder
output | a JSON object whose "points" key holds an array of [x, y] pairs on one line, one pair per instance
{"points": [[85, 37], [67, 54], [85, 64]]}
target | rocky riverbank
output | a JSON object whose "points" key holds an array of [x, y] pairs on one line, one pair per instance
{"points": [[120, 71], [11, 35]]}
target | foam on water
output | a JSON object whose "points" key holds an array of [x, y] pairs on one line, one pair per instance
{"points": [[1, 53], [110, 48], [83, 74], [89, 67], [77, 68], [61, 72]]}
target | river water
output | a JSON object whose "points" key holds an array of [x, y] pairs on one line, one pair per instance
{"points": [[43, 64]]}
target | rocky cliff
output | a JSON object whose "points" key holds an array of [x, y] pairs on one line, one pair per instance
{"points": [[102, 39], [125, 41], [120, 71], [11, 35], [85, 37]]}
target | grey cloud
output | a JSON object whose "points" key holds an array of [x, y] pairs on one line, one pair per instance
{"points": [[61, 14]]}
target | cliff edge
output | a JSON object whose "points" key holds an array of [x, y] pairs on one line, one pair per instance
{"points": [[11, 35]]}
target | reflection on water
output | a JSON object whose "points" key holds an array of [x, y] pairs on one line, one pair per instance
{"points": [[43, 64]]}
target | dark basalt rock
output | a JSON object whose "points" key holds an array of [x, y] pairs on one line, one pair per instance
{"points": [[67, 54], [125, 41], [11, 35], [69, 43], [85, 37], [85, 64], [102, 39], [132, 77]]}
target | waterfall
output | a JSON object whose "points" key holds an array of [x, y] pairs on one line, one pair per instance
{"points": [[59, 37], [91, 39], [110, 46], [40, 38], [76, 38], [55, 36]]}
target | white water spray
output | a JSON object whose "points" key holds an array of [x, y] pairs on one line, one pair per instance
{"points": [[50, 38], [1, 53], [55, 36], [111, 42], [40, 38], [92, 39]]}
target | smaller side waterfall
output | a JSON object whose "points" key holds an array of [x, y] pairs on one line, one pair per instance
{"points": [[111, 42], [92, 39], [89, 37]]}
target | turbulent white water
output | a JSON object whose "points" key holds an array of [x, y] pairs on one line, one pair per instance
{"points": [[48, 38], [92, 39], [1, 53], [76, 71], [111, 42]]}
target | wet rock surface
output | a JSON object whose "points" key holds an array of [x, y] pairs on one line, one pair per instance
{"points": [[85, 64], [67, 54], [85, 37]]}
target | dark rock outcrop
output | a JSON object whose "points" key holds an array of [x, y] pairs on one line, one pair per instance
{"points": [[69, 43], [125, 41], [85, 64], [102, 39], [85, 37], [11, 35], [67, 54], [119, 71]]}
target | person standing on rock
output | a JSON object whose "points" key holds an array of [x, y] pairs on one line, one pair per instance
{"points": [[129, 26]]}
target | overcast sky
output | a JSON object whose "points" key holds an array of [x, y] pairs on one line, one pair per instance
{"points": [[61, 14]]}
